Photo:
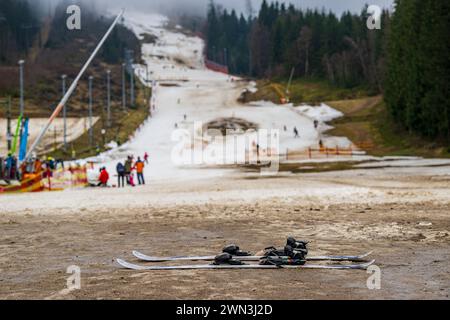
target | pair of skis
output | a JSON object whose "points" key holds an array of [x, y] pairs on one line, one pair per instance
{"points": [[362, 265]]}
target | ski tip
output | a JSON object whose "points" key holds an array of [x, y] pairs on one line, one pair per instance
{"points": [[366, 255], [146, 258], [368, 264], [120, 262], [126, 265], [137, 254]]}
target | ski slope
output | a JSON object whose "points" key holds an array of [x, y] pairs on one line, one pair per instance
{"points": [[185, 93]]}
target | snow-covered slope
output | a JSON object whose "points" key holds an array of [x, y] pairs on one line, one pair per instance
{"points": [[188, 93]]}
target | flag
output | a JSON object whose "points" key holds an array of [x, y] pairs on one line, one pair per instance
{"points": [[16, 136], [24, 141]]}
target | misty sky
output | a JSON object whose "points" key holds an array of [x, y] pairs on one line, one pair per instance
{"points": [[199, 6]]}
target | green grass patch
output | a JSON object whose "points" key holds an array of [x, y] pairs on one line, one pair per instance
{"points": [[369, 125], [304, 91]]}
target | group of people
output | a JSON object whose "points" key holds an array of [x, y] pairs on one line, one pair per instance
{"points": [[10, 169], [125, 171]]}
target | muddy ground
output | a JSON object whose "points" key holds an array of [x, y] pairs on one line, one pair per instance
{"points": [[405, 220]]}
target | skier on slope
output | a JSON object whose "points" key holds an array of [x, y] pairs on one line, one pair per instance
{"points": [[296, 134], [316, 124]]}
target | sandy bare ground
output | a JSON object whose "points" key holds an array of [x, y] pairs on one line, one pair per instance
{"points": [[403, 215]]}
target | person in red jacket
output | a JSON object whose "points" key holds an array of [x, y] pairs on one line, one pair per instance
{"points": [[104, 178]]}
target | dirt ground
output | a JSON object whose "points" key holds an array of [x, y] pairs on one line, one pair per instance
{"points": [[403, 216]]}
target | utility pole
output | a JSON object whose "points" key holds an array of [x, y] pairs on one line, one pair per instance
{"points": [[63, 78], [124, 89], [8, 125], [132, 82], [7, 104], [108, 85], [91, 133], [22, 107], [22, 104]]}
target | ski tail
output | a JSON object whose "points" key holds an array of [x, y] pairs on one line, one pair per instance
{"points": [[147, 258], [360, 258], [361, 266]]}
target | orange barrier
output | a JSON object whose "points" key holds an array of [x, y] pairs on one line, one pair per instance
{"points": [[30, 183], [50, 181], [66, 178], [312, 153], [214, 66]]}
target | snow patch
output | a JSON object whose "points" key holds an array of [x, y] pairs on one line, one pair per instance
{"points": [[322, 113]]}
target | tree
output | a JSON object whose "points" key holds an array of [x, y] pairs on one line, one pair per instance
{"points": [[304, 43], [417, 80]]}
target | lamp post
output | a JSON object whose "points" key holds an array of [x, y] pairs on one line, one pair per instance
{"points": [[22, 108], [131, 82], [91, 133], [8, 125], [124, 90], [108, 85], [22, 104], [7, 104], [63, 78]]}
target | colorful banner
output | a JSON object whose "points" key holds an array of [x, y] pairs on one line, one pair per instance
{"points": [[16, 135], [24, 141], [58, 180], [29, 183], [62, 179]]}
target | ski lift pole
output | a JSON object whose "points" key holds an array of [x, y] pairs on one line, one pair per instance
{"points": [[290, 81], [7, 104], [73, 86]]}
